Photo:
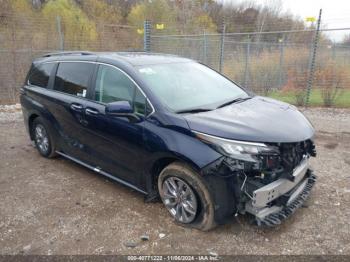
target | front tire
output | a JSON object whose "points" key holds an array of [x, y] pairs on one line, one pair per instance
{"points": [[186, 196], [43, 140]]}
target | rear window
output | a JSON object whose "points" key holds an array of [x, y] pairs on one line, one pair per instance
{"points": [[73, 78], [40, 74]]}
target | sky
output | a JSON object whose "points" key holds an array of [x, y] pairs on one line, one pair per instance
{"points": [[335, 13]]}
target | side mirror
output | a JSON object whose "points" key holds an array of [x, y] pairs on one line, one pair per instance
{"points": [[119, 108]]}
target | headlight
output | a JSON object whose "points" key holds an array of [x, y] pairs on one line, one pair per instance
{"points": [[241, 150]]}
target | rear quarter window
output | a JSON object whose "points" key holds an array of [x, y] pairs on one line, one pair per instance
{"points": [[40, 74]]}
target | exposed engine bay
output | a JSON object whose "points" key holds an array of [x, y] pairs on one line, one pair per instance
{"points": [[272, 185]]}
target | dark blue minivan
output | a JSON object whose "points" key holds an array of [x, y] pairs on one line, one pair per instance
{"points": [[174, 129]]}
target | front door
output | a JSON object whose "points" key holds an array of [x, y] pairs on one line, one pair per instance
{"points": [[115, 141]]}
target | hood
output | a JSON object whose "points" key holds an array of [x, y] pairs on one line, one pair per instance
{"points": [[258, 119]]}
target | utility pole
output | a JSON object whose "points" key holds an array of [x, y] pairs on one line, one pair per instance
{"points": [[147, 36], [246, 68], [281, 80], [205, 48], [222, 46], [313, 59], [60, 33]]}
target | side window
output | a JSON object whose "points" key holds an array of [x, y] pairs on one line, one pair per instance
{"points": [[73, 77], [139, 102], [40, 74], [113, 85], [149, 108]]}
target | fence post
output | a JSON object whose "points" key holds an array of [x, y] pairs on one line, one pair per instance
{"points": [[222, 46], [147, 36], [205, 48], [247, 56], [13, 88], [313, 59], [281, 62], [60, 33]]}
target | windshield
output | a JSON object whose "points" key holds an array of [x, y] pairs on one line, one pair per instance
{"points": [[189, 86]]}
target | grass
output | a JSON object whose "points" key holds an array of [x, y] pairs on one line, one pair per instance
{"points": [[343, 101]]}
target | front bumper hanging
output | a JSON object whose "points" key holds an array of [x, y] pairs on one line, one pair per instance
{"points": [[276, 218], [273, 203], [278, 188]]}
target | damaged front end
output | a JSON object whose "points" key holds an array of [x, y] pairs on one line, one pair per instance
{"points": [[270, 181]]}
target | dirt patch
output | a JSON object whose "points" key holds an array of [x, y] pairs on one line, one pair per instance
{"points": [[347, 161], [58, 207], [331, 145]]}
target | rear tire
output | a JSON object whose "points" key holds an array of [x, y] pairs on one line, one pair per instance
{"points": [[182, 189], [42, 135]]}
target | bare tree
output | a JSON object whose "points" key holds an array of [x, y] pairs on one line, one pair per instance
{"points": [[346, 40]]}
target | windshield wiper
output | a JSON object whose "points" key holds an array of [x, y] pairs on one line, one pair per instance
{"points": [[236, 100], [195, 110], [199, 110]]}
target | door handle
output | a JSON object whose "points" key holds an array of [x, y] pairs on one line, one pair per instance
{"points": [[76, 107], [91, 111]]}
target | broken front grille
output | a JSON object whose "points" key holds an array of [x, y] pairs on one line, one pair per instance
{"points": [[293, 153]]}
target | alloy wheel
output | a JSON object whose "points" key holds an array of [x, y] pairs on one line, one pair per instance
{"points": [[41, 138], [179, 199]]}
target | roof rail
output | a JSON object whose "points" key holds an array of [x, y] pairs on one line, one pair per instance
{"points": [[68, 53]]}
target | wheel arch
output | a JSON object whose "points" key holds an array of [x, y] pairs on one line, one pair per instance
{"points": [[50, 123], [220, 188], [31, 119], [33, 109], [162, 161]]}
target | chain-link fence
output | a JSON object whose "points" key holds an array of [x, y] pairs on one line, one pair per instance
{"points": [[280, 66], [269, 63], [22, 40]]}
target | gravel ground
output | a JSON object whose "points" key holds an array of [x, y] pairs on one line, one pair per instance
{"points": [[57, 207]]}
